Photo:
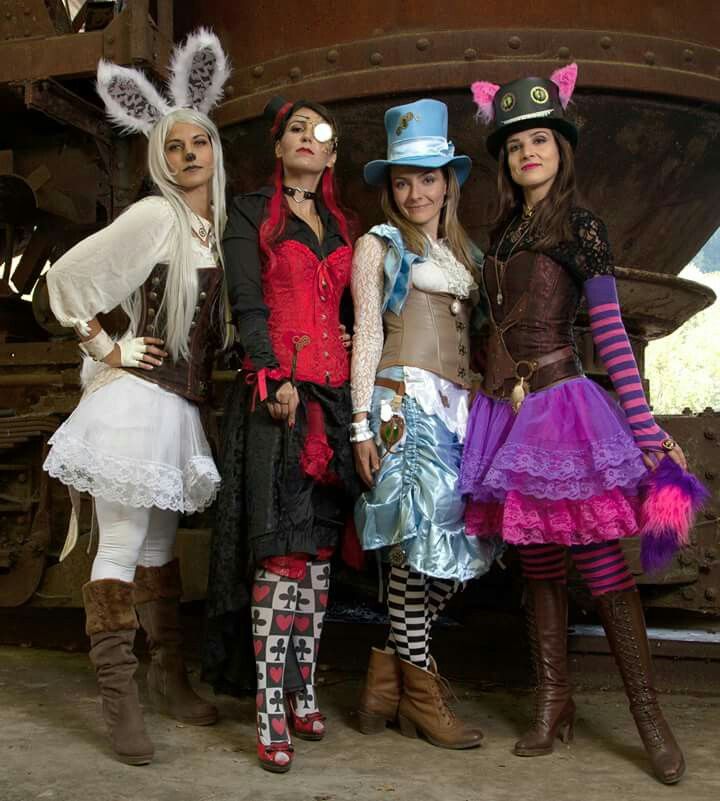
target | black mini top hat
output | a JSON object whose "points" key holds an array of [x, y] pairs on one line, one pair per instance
{"points": [[527, 103]]}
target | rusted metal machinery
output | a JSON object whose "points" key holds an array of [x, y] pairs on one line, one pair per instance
{"points": [[648, 107]]}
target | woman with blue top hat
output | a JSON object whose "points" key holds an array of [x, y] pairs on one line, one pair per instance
{"points": [[552, 463], [412, 282]]}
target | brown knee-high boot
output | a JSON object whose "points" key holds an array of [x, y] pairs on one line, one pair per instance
{"points": [[622, 617], [381, 694], [546, 611], [111, 624], [157, 600]]}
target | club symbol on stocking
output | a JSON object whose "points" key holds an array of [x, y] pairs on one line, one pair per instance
{"points": [[261, 725], [289, 597], [305, 698], [301, 648], [303, 600], [279, 650], [276, 701], [257, 620], [324, 576]]}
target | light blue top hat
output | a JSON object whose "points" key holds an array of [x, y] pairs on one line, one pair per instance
{"points": [[417, 137]]}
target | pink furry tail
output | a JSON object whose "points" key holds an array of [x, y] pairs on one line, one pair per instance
{"points": [[671, 499], [565, 79], [483, 94]]}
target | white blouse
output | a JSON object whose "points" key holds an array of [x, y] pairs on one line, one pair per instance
{"points": [[102, 271]]}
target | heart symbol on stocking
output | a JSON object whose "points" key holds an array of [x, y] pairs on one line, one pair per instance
{"points": [[259, 700], [284, 621], [276, 674], [305, 672], [258, 646], [323, 598], [260, 592], [302, 623], [278, 725]]}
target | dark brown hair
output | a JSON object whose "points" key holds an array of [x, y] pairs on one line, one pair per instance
{"points": [[552, 213]]}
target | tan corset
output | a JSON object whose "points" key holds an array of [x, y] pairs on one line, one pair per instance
{"points": [[428, 335]]}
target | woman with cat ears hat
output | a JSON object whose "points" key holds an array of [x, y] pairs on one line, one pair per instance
{"points": [[552, 462], [413, 278], [135, 442]]}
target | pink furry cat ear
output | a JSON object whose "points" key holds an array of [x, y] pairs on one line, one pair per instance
{"points": [[565, 78], [483, 94]]}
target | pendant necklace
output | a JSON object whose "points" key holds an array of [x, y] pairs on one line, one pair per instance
{"points": [[201, 229], [525, 220]]}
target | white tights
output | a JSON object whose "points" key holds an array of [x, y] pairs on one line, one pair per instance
{"points": [[129, 537]]}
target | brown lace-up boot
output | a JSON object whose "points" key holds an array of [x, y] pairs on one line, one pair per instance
{"points": [[423, 707], [381, 695], [157, 600], [111, 625], [546, 610], [624, 623]]}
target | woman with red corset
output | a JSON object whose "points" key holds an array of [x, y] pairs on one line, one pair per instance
{"points": [[287, 463]]}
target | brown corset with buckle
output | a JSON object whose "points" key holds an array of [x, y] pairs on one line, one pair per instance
{"points": [[428, 335], [187, 377], [531, 331]]}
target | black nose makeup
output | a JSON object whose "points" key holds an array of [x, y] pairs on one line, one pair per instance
{"points": [[190, 156]]}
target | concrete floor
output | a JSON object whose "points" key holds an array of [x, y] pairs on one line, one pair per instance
{"points": [[53, 746]]}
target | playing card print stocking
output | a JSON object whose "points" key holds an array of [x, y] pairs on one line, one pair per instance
{"points": [[307, 629], [274, 601]]}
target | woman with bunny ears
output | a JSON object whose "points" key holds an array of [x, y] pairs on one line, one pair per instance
{"points": [[135, 441], [552, 462]]}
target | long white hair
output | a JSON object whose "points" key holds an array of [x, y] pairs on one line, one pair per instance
{"points": [[178, 303]]}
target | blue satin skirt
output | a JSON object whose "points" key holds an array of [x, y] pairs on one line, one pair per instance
{"points": [[415, 503]]}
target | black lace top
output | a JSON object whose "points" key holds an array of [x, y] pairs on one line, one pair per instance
{"points": [[588, 254]]}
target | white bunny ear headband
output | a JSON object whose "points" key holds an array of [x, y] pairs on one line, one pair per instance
{"points": [[198, 69]]}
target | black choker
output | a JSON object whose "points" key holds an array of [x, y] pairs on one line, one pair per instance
{"points": [[306, 194]]}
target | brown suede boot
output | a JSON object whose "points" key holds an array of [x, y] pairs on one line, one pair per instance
{"points": [[546, 611], [111, 624], [157, 600], [423, 707], [622, 617], [381, 695]]}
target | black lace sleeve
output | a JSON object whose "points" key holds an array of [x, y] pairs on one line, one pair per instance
{"points": [[593, 255]]}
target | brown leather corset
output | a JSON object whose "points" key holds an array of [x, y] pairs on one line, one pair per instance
{"points": [[533, 322], [427, 334], [187, 377]]}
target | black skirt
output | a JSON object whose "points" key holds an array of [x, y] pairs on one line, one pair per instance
{"points": [[268, 506]]}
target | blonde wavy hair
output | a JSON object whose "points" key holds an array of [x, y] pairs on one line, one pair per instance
{"points": [[450, 228]]}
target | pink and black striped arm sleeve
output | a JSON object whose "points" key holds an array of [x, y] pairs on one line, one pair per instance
{"points": [[613, 347]]}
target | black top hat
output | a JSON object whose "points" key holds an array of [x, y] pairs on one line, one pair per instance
{"points": [[527, 103]]}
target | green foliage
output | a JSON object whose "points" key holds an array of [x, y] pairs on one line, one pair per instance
{"points": [[684, 368]]}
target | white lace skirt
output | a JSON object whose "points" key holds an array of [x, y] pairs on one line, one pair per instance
{"points": [[137, 444]]}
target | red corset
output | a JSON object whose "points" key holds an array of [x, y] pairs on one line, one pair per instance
{"points": [[303, 294]]}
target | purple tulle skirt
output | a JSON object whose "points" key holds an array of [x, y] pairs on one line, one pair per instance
{"points": [[565, 469]]}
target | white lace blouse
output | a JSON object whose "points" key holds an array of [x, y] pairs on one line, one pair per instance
{"points": [[440, 272]]}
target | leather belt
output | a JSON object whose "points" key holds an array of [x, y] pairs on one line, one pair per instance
{"points": [[543, 361], [398, 387]]}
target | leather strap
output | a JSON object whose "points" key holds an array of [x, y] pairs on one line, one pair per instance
{"points": [[551, 358], [398, 387]]}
